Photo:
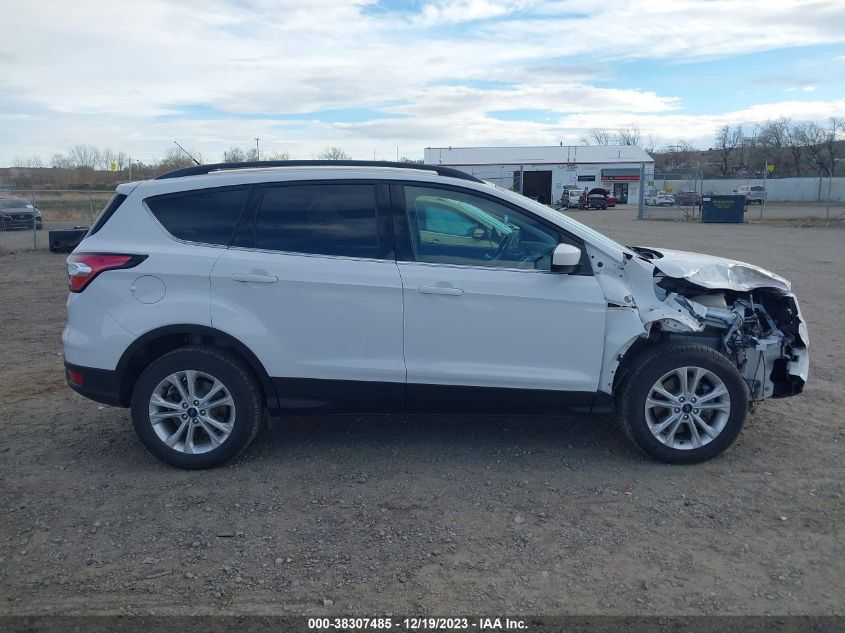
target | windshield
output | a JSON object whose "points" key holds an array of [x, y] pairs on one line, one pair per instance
{"points": [[13, 203]]}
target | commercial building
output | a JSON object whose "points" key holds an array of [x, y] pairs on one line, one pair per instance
{"points": [[544, 172]]}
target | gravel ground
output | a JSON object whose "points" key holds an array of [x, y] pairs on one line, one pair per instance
{"points": [[433, 515]]}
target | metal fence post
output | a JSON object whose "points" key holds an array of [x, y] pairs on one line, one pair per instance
{"points": [[641, 196], [91, 208], [34, 224]]}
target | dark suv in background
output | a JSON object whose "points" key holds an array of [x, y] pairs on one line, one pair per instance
{"points": [[17, 213]]}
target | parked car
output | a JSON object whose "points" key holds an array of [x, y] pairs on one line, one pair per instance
{"points": [[659, 199], [17, 213], [754, 194], [572, 198], [688, 198], [211, 296], [595, 198], [611, 199]]}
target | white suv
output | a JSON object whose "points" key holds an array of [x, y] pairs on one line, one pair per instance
{"points": [[211, 296]]}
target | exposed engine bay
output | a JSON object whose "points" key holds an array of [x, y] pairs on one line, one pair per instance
{"points": [[747, 313], [758, 330]]}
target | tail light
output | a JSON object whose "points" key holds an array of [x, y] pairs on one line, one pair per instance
{"points": [[82, 268]]}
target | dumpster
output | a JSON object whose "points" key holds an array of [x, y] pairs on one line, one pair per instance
{"points": [[723, 208], [65, 240]]}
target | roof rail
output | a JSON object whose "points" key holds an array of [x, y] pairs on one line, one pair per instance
{"points": [[205, 169]]}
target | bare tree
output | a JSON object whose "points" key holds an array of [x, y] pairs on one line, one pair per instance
{"points": [[727, 141], [772, 139], [679, 155], [597, 136], [650, 143], [60, 161], [175, 158], [832, 135], [630, 135], [238, 155], [109, 157], [795, 141], [814, 138], [333, 153], [276, 156], [84, 156], [234, 155], [30, 162]]}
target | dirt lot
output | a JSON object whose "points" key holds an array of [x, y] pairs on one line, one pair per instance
{"points": [[427, 515]]}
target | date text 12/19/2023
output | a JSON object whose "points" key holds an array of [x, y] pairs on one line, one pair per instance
{"points": [[416, 624]]}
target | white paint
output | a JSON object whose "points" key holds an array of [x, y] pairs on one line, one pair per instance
{"points": [[326, 317], [508, 328], [343, 318]]}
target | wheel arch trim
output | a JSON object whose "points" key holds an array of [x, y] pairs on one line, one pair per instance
{"points": [[194, 334]]}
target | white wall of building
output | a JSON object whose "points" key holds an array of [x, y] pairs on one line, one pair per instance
{"points": [[562, 174], [777, 189]]}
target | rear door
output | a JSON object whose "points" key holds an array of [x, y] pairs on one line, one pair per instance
{"points": [[311, 285]]}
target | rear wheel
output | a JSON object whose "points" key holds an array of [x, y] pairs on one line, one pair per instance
{"points": [[196, 408], [683, 403]]}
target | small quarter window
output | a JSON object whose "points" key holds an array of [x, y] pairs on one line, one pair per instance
{"points": [[208, 217]]}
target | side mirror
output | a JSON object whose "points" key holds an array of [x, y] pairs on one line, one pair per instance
{"points": [[478, 234], [565, 258]]}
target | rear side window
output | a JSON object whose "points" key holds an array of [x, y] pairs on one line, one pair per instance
{"points": [[108, 211], [320, 219], [208, 217]]}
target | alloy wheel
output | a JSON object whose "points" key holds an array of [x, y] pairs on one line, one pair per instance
{"points": [[192, 412], [687, 408]]}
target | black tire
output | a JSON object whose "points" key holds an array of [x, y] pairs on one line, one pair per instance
{"points": [[647, 369], [248, 403]]}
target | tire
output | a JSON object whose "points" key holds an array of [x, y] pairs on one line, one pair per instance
{"points": [[233, 425], [637, 419]]}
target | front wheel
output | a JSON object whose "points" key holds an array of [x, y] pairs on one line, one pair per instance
{"points": [[196, 407], [683, 404]]}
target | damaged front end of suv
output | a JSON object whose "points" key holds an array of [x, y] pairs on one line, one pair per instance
{"points": [[742, 311]]}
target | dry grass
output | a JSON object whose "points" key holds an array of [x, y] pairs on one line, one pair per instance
{"points": [[69, 206]]}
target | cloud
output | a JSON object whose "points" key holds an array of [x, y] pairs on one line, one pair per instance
{"points": [[126, 74], [452, 11]]}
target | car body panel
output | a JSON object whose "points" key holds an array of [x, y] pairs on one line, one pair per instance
{"points": [[348, 320]]}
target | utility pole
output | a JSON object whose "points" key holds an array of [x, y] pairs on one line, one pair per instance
{"points": [[257, 153]]}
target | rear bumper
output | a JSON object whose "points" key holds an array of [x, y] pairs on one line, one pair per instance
{"points": [[100, 385]]}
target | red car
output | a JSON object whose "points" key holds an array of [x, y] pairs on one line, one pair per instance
{"points": [[595, 198], [611, 199], [687, 198]]}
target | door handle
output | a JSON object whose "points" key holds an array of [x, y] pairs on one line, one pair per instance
{"points": [[257, 279], [440, 290]]}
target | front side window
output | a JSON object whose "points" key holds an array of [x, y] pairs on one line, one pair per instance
{"points": [[319, 219], [208, 217], [452, 227]]}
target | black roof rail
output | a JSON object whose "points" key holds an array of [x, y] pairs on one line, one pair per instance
{"points": [[205, 169]]}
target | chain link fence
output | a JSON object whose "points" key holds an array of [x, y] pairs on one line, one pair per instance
{"points": [[672, 196], [28, 215]]}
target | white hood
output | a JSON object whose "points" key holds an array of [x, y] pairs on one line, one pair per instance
{"points": [[716, 273]]}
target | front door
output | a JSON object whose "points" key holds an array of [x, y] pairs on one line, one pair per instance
{"points": [[312, 288], [488, 326], [620, 192]]}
